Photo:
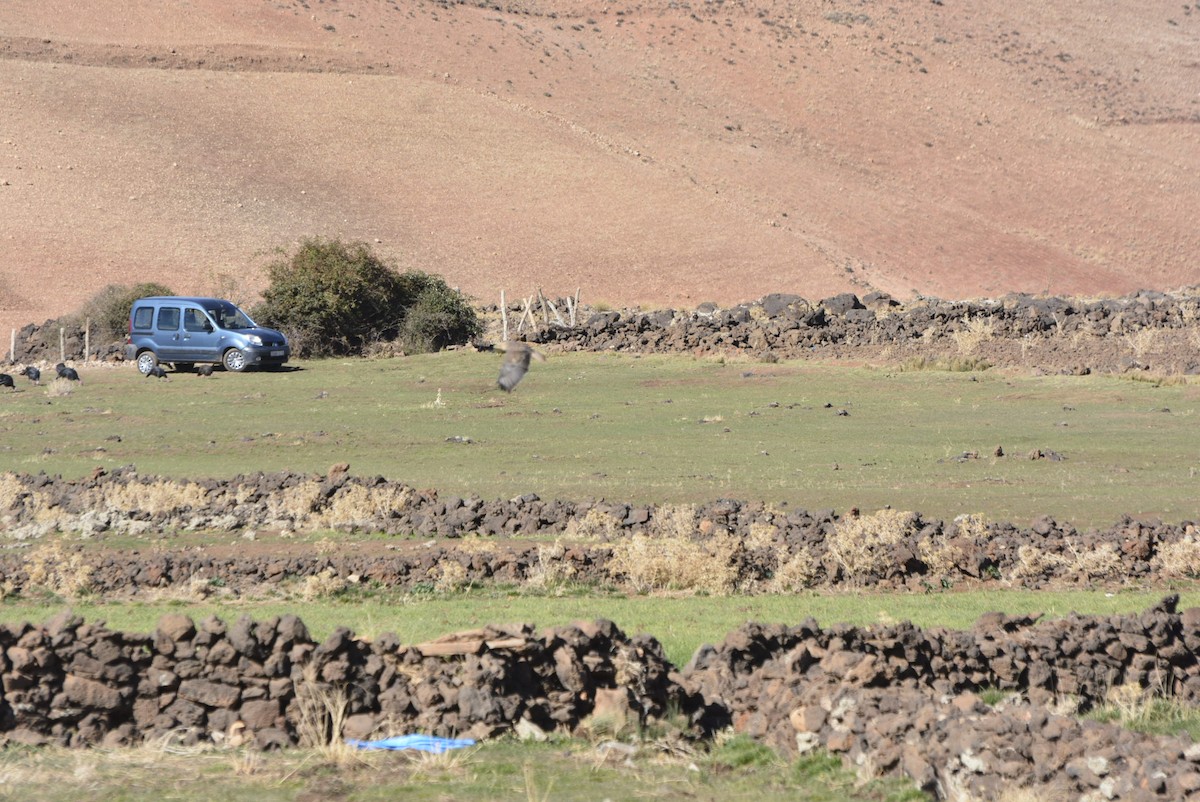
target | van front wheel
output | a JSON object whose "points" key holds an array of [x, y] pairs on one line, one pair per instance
{"points": [[234, 360]]}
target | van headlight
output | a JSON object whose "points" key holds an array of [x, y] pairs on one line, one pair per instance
{"points": [[254, 339]]}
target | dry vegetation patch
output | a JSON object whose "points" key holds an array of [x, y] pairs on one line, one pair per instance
{"points": [[647, 563], [862, 546]]}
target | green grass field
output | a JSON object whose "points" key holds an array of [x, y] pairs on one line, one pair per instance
{"points": [[639, 429], [558, 771], [648, 429]]}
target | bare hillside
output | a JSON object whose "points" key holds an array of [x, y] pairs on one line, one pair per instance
{"points": [[660, 152]]}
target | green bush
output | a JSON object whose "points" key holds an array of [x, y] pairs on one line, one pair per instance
{"points": [[742, 751], [334, 298], [437, 317], [108, 310]]}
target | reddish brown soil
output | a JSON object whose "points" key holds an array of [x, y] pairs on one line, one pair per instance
{"points": [[654, 152]]}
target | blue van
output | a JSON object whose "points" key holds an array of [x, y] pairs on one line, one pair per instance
{"points": [[184, 331]]}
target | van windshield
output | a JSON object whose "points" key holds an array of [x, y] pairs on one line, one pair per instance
{"points": [[229, 316]]}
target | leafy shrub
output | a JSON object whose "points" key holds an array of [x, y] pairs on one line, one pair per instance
{"points": [[438, 316], [108, 310], [335, 298]]}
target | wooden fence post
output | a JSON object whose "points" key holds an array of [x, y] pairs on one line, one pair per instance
{"points": [[12, 346], [527, 313], [545, 309], [504, 315], [62, 344], [87, 338]]}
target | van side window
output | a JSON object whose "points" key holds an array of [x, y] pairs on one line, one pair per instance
{"points": [[143, 316], [194, 320], [168, 318]]}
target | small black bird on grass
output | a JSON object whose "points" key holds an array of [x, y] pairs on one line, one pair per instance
{"points": [[204, 370], [33, 373], [158, 372], [7, 381], [67, 373]]}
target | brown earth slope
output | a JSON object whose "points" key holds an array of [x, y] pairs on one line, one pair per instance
{"points": [[657, 152]]}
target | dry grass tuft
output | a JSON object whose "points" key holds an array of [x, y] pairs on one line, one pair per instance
{"points": [[1037, 793], [160, 497], [476, 544], [1142, 341], [353, 507], [1101, 562], [1179, 559], [550, 571], [977, 331], [1152, 709], [1033, 562], [762, 535], [677, 563], [320, 716], [60, 388], [862, 546], [10, 489], [322, 585], [595, 525], [945, 555], [64, 573], [794, 572], [294, 503], [674, 520], [449, 576], [358, 507]]}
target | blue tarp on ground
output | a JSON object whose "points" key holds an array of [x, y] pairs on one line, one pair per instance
{"points": [[424, 743]]}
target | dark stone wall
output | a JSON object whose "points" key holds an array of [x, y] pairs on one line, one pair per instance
{"points": [[904, 700], [92, 506]]}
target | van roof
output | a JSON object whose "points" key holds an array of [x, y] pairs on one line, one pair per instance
{"points": [[189, 298]]}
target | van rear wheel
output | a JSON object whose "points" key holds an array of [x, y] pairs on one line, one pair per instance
{"points": [[146, 361], [234, 360]]}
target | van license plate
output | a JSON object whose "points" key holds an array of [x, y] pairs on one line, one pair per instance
{"points": [[277, 353]]}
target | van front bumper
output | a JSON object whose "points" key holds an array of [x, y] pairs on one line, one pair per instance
{"points": [[266, 355]]}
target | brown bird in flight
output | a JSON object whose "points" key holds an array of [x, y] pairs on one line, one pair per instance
{"points": [[516, 362]]}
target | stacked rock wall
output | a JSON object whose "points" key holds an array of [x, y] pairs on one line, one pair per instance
{"points": [[60, 340], [268, 682], [789, 326], [905, 701], [124, 502], [894, 699]]}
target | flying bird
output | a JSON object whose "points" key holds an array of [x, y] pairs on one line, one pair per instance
{"points": [[65, 372], [516, 362], [33, 373]]}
